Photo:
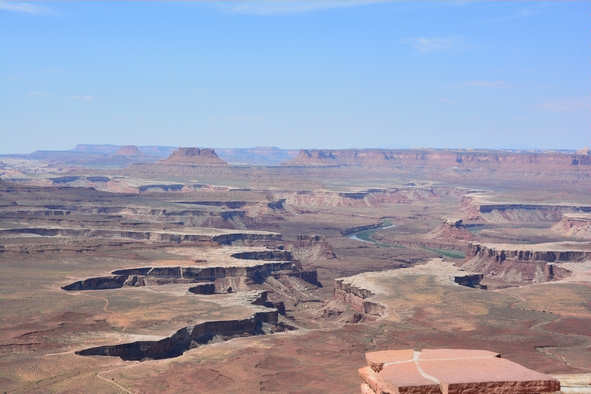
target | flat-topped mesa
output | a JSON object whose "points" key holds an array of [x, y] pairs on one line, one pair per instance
{"points": [[545, 252], [346, 157], [194, 157], [263, 320], [440, 158], [228, 270], [449, 371], [128, 150], [515, 264], [479, 208], [576, 225]]}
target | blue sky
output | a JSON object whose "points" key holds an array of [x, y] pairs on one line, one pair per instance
{"points": [[295, 74]]}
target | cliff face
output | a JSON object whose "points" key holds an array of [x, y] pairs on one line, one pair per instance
{"points": [[440, 158], [501, 212], [128, 150], [574, 225], [186, 338], [519, 264], [194, 156], [362, 198], [451, 230], [311, 248], [144, 276], [525, 253], [358, 299]]}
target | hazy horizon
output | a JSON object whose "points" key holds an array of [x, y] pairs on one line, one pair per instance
{"points": [[478, 148], [295, 74]]}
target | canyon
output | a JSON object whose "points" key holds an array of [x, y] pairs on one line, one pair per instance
{"points": [[441, 158], [177, 269]]}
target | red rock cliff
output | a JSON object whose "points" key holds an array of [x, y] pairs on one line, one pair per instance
{"points": [[194, 156], [441, 158], [128, 150]]}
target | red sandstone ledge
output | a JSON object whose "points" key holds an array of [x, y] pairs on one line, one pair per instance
{"points": [[449, 371]]}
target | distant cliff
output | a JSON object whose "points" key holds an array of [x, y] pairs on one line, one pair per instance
{"points": [[194, 156], [128, 151], [441, 158]]}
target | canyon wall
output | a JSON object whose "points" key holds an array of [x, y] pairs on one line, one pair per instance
{"points": [[574, 225], [511, 265], [194, 156], [441, 158], [358, 299]]}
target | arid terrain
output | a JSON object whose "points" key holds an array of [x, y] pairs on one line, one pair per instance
{"points": [[153, 269]]}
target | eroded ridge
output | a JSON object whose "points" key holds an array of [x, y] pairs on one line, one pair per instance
{"points": [[260, 323], [230, 271], [515, 264], [371, 294]]}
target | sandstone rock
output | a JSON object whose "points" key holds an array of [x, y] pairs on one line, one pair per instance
{"points": [[440, 158], [365, 389], [450, 371], [574, 225], [128, 150], [520, 263], [195, 157], [376, 360]]}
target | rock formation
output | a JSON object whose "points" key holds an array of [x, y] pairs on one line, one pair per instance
{"points": [[449, 371], [519, 264], [478, 208], [357, 298], [311, 248], [260, 323], [574, 225], [451, 229], [128, 150], [194, 157], [440, 158]]}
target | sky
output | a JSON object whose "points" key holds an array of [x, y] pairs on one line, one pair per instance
{"points": [[295, 73]]}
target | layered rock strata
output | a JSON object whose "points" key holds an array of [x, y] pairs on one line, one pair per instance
{"points": [[224, 279], [574, 225], [174, 237], [260, 323], [440, 158], [479, 208], [358, 299], [128, 150], [519, 264], [194, 157]]}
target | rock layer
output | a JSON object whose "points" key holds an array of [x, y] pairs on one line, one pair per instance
{"points": [[190, 337], [439, 158], [357, 299], [574, 225], [520, 264], [195, 157]]}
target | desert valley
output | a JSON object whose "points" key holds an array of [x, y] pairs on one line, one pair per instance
{"points": [[126, 268]]}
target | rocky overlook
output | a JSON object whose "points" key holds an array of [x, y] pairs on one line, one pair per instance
{"points": [[449, 371]]}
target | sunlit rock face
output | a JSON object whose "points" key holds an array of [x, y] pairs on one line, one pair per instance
{"points": [[449, 371], [194, 156]]}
